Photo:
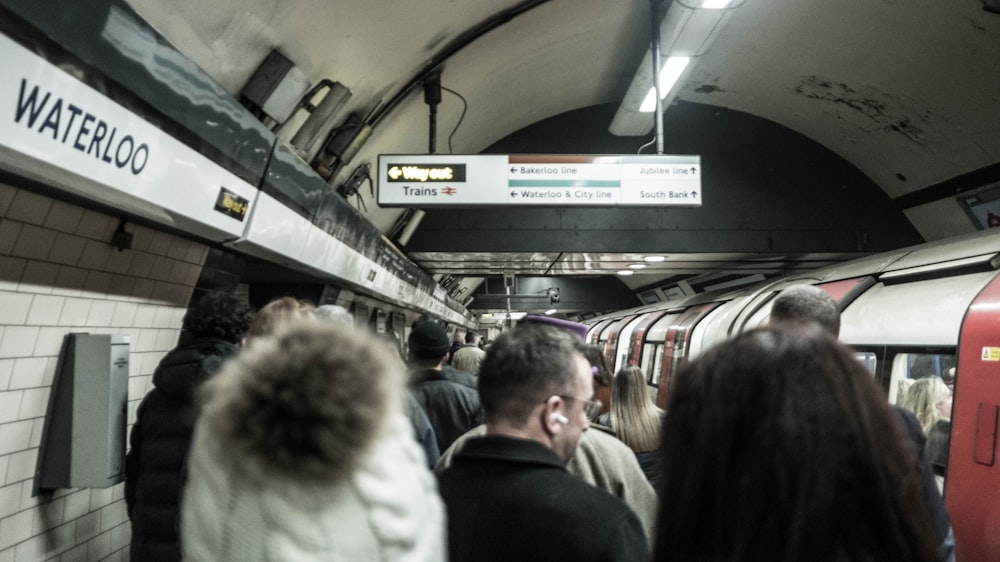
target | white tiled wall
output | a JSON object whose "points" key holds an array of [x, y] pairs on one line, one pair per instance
{"points": [[59, 274]]}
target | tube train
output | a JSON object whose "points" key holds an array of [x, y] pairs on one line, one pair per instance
{"points": [[926, 308]]}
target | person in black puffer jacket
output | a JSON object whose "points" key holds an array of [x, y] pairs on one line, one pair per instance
{"points": [[161, 436]]}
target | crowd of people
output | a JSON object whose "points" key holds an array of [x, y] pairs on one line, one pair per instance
{"points": [[291, 434]]}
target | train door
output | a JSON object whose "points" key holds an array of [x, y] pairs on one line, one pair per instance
{"points": [[608, 340], [623, 343], [675, 347], [972, 489], [652, 342], [639, 352], [594, 336]]}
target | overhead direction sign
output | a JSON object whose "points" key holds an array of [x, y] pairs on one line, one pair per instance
{"points": [[436, 180]]}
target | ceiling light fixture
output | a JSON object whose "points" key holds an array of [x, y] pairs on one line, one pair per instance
{"points": [[654, 259], [669, 76], [550, 312], [638, 266], [687, 30], [626, 272]]}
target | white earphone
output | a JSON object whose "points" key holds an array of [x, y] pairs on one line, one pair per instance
{"points": [[559, 418]]}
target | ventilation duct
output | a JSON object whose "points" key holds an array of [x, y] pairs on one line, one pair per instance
{"points": [[308, 140], [341, 145]]}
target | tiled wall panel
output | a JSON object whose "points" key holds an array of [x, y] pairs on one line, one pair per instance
{"points": [[59, 273]]}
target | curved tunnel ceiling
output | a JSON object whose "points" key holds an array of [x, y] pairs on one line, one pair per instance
{"points": [[906, 92]]}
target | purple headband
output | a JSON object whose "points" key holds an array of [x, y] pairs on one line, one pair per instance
{"points": [[575, 327]]}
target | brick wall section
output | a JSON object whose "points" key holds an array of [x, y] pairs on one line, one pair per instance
{"points": [[59, 274]]}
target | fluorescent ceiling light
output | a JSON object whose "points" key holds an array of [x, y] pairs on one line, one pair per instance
{"points": [[669, 75], [654, 259], [550, 311], [626, 272], [685, 32], [638, 266]]}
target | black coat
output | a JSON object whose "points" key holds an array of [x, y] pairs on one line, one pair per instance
{"points": [[159, 442], [452, 408], [512, 499], [935, 503]]}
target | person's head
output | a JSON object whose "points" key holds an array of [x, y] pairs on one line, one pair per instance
{"points": [[806, 303], [218, 315], [780, 446], [602, 375], [306, 402], [948, 378], [278, 312], [428, 345], [929, 399], [472, 338], [535, 382], [633, 416]]}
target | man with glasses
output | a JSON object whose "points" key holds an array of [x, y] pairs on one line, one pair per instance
{"points": [[508, 494]]}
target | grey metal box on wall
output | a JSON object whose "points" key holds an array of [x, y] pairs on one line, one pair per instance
{"points": [[83, 442]]}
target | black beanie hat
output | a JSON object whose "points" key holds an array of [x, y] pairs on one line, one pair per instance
{"points": [[429, 341]]}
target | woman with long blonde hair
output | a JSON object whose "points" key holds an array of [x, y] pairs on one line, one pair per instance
{"points": [[634, 418], [930, 399]]}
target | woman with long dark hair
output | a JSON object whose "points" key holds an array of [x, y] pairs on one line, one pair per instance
{"points": [[783, 448]]}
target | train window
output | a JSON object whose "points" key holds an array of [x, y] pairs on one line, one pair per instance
{"points": [[912, 366], [648, 352], [654, 370]]}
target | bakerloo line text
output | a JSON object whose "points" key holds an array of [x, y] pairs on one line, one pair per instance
{"points": [[72, 125]]}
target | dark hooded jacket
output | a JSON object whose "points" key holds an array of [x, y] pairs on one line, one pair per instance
{"points": [[160, 440], [451, 407]]}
